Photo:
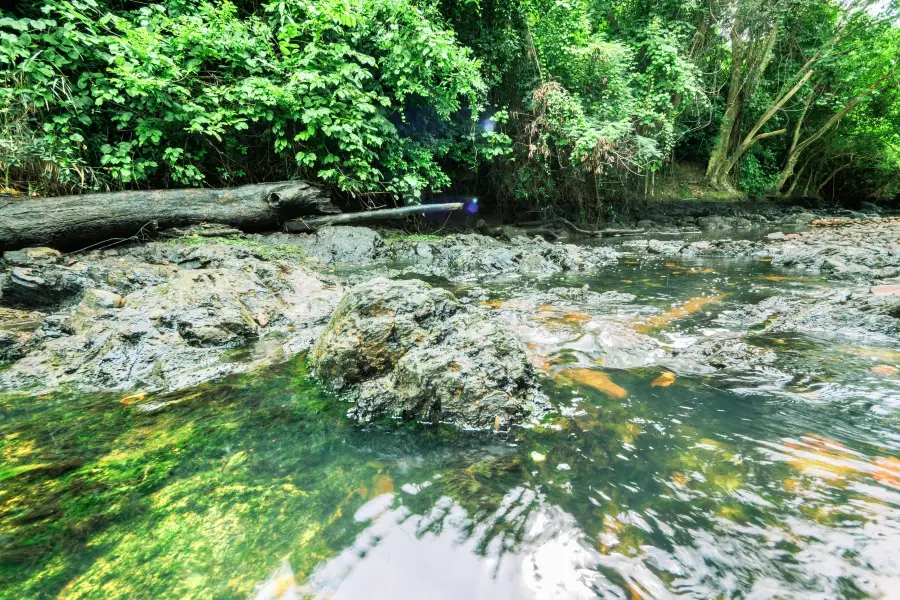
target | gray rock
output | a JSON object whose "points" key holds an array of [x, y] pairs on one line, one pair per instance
{"points": [[778, 235], [473, 255], [404, 349], [666, 247], [30, 256], [99, 299], [19, 331], [714, 222], [341, 244], [43, 286], [179, 332]]}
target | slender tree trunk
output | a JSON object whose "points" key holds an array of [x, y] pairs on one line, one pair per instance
{"points": [[306, 224], [830, 177], [744, 79], [797, 178], [753, 136], [793, 154], [719, 155]]}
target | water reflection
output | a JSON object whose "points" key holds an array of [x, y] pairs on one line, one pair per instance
{"points": [[525, 549]]}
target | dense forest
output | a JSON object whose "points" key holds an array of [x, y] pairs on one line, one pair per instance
{"points": [[551, 104]]}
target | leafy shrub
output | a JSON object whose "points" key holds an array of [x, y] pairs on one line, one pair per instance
{"points": [[188, 92]]}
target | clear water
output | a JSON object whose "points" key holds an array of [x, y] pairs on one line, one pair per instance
{"points": [[776, 480]]}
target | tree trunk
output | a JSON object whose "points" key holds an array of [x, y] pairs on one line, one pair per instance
{"points": [[830, 177], [793, 154], [753, 136], [70, 221], [719, 155], [796, 179], [313, 223]]}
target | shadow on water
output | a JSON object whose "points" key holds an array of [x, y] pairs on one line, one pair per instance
{"points": [[653, 477]]}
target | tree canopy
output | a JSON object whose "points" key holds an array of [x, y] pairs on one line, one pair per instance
{"points": [[556, 104]]}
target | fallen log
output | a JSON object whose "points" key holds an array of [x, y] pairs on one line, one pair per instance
{"points": [[72, 221], [302, 225]]}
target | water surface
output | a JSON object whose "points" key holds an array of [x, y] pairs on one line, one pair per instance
{"points": [[654, 477]]}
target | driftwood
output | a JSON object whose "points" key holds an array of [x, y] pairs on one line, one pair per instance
{"points": [[311, 224], [72, 221], [571, 226]]}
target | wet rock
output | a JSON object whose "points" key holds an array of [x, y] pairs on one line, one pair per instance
{"points": [[342, 245], [98, 299], [19, 332], [775, 236], [802, 218], [825, 313], [404, 349], [729, 353], [858, 252], [42, 286], [666, 247], [178, 332], [30, 256], [472, 256]]}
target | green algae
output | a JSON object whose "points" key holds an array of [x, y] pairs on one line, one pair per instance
{"points": [[263, 250]]}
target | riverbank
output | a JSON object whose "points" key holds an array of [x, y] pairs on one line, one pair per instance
{"points": [[210, 301]]}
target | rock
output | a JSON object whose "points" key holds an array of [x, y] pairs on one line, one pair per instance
{"points": [[404, 349], [177, 327], [666, 247], [341, 244], [30, 256], [802, 218], [19, 331], [42, 286], [99, 299], [778, 235], [727, 353], [472, 255], [886, 290]]}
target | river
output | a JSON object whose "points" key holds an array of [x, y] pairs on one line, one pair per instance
{"points": [[775, 474]]}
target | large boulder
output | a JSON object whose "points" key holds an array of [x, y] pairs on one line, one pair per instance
{"points": [[407, 350]]}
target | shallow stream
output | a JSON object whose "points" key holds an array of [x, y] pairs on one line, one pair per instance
{"points": [[656, 477]]}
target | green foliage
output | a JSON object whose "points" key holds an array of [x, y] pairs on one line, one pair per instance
{"points": [[546, 105], [192, 92], [754, 178]]}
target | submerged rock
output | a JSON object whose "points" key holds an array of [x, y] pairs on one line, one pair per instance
{"points": [[859, 251], [404, 349]]}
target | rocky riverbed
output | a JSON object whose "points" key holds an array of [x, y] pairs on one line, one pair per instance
{"points": [[166, 315]]}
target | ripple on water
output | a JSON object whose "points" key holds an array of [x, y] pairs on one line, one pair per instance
{"points": [[695, 452]]}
